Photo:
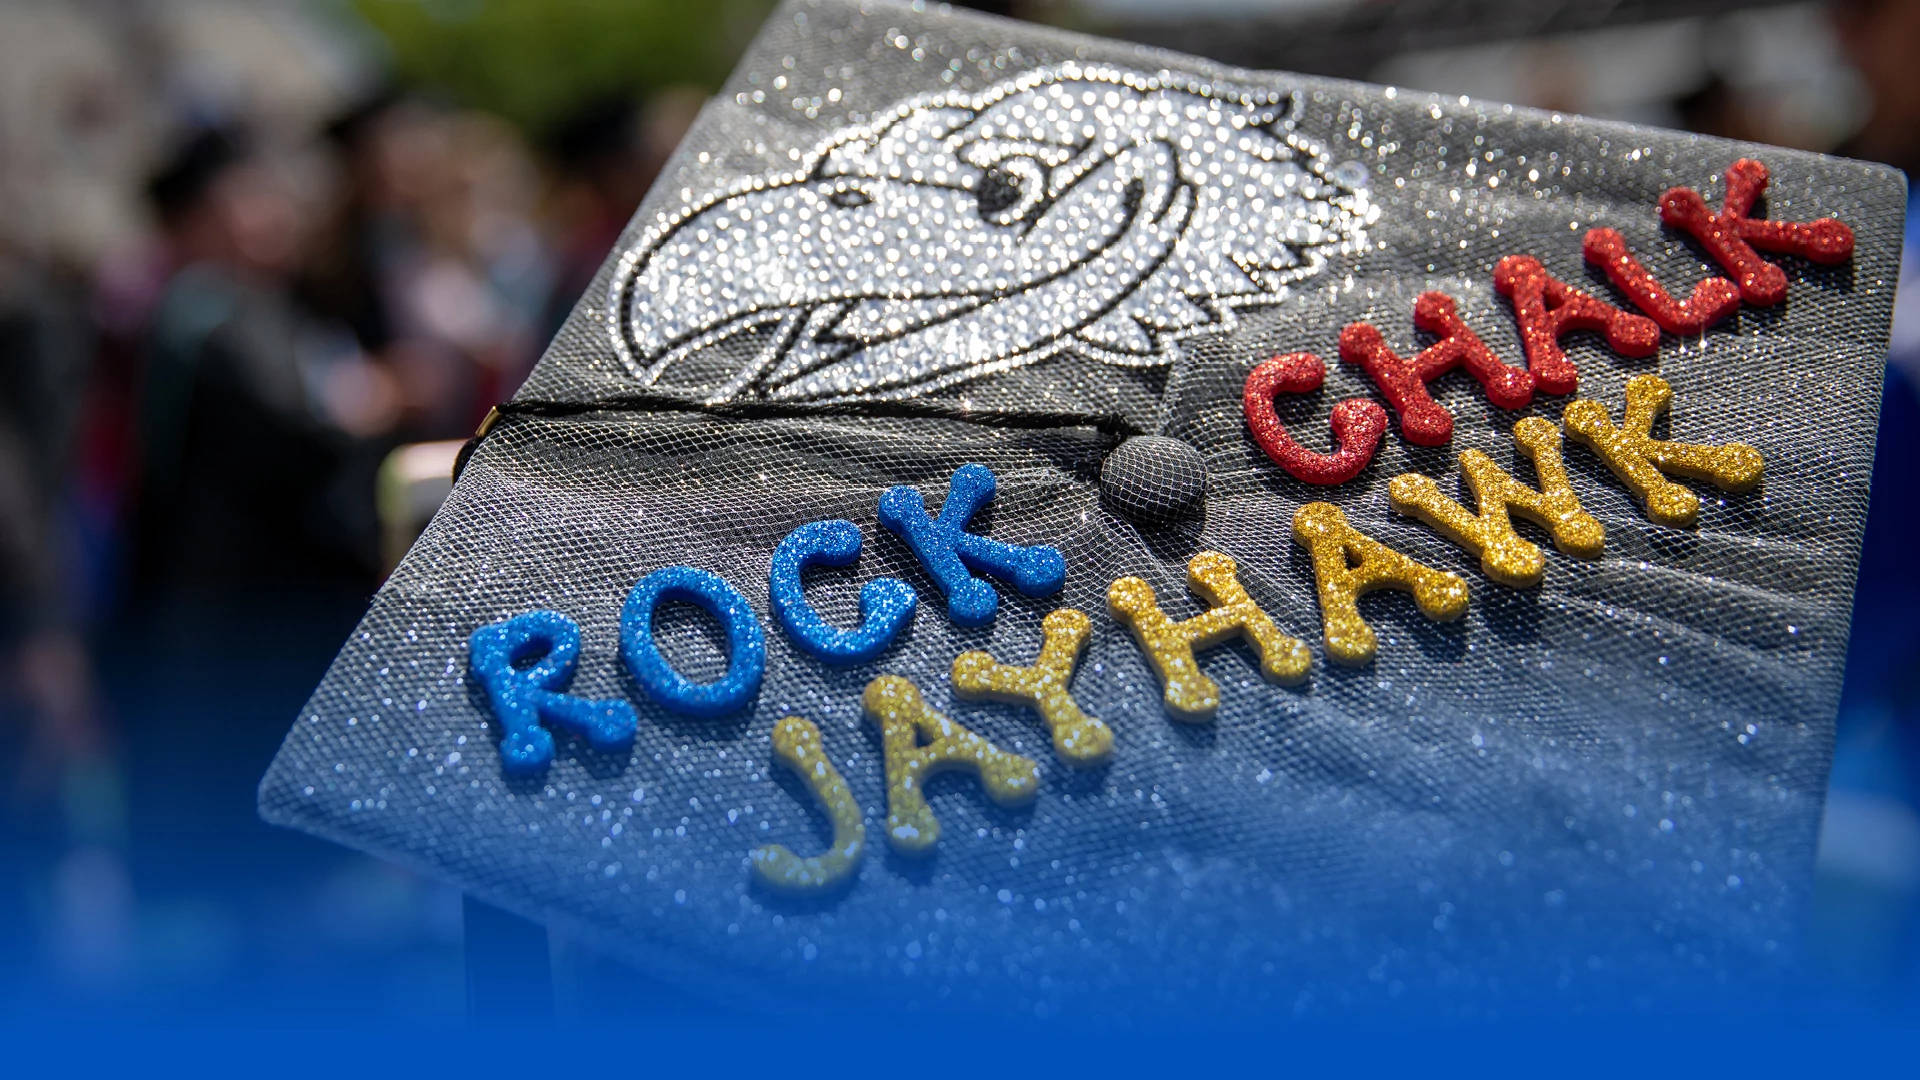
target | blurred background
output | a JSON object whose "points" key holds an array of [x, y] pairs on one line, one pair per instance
{"points": [[264, 264]]}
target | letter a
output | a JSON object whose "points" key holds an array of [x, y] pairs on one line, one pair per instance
{"points": [[1348, 564], [1548, 309], [904, 720]]}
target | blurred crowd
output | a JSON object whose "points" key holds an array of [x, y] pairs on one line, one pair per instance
{"points": [[217, 322], [228, 293]]}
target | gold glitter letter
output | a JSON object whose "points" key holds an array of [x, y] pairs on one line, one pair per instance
{"points": [[1348, 564], [797, 742], [905, 719], [1639, 460], [1190, 695], [1077, 738], [1504, 555]]}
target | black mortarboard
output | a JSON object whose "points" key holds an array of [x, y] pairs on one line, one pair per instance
{"points": [[1036, 339]]}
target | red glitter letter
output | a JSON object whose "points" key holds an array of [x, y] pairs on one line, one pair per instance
{"points": [[1357, 422], [1713, 299], [1730, 236], [1404, 381], [1547, 307]]}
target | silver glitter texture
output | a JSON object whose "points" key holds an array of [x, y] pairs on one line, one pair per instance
{"points": [[1088, 208]]}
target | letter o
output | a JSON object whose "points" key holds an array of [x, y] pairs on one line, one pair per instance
{"points": [[746, 642]]}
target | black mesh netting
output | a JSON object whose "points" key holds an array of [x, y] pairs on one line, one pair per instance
{"points": [[1615, 776]]}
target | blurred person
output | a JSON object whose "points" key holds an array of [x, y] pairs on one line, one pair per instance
{"points": [[391, 148], [1870, 840], [604, 156], [47, 348], [433, 256], [1717, 107], [252, 410], [388, 147], [159, 374], [58, 820], [1880, 38], [478, 284], [261, 423], [1555, 77], [599, 176]]}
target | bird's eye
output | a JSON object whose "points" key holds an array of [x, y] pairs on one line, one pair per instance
{"points": [[998, 191], [1009, 190], [847, 198]]}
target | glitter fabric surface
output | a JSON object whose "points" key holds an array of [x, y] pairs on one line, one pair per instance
{"points": [[1019, 246]]}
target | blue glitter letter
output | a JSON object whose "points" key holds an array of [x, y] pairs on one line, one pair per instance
{"points": [[885, 603], [524, 698], [746, 644], [947, 549]]}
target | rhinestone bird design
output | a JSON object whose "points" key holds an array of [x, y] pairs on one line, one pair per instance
{"points": [[1076, 208]]}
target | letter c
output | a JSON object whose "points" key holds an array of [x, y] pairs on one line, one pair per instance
{"points": [[886, 604]]}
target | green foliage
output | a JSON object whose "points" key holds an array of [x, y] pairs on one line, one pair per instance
{"points": [[532, 60]]}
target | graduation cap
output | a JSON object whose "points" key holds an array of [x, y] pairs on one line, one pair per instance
{"points": [[933, 562]]}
